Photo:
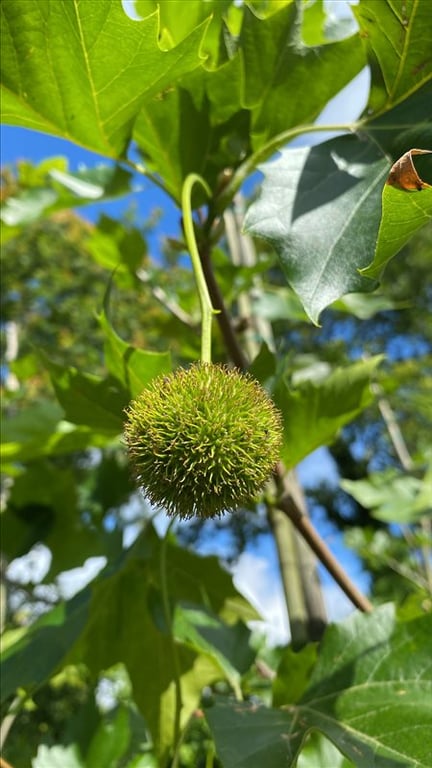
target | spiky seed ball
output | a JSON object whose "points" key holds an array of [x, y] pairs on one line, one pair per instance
{"points": [[203, 440]]}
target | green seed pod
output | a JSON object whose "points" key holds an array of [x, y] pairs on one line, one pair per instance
{"points": [[203, 441]]}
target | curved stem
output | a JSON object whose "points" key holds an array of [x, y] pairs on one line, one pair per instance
{"points": [[204, 296]]}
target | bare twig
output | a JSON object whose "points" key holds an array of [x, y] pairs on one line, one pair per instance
{"points": [[404, 456], [291, 508], [166, 302], [287, 504], [393, 428], [173, 307]]}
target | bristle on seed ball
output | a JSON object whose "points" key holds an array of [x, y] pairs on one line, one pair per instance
{"points": [[203, 440]]}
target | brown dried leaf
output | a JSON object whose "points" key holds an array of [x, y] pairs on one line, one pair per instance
{"points": [[403, 174]]}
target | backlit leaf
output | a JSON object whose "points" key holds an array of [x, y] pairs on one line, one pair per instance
{"points": [[88, 399], [82, 91], [287, 84], [132, 367], [393, 496], [403, 214], [396, 35]]}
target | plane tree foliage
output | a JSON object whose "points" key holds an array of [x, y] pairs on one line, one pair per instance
{"points": [[154, 661]]}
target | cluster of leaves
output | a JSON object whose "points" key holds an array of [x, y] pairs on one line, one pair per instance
{"points": [[212, 88]]}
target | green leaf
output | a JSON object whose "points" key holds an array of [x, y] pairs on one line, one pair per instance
{"points": [[366, 305], [318, 27], [65, 438], [55, 188], [125, 604], [403, 214], [134, 368], [87, 399], [314, 411], [264, 366], [407, 125], [31, 425], [227, 646], [381, 689], [370, 694], [278, 304], [293, 674], [117, 247], [175, 24], [174, 135], [313, 22], [247, 737], [396, 36], [83, 92], [131, 602], [39, 430], [43, 505], [37, 654], [289, 84], [200, 126], [321, 753], [320, 208], [393, 496], [110, 741]]}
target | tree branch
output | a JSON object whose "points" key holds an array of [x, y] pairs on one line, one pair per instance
{"points": [[287, 504], [297, 563]]}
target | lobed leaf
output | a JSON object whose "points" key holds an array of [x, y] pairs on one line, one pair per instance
{"points": [[370, 694], [396, 36], [88, 399], [403, 214], [132, 367], [314, 411], [126, 602], [320, 208], [60, 75], [286, 83], [175, 25]]}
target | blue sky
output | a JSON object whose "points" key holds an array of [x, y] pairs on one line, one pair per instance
{"points": [[22, 144]]}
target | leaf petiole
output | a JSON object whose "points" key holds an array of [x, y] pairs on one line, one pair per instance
{"points": [[205, 302]]}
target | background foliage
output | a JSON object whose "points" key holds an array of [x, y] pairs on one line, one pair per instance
{"points": [[153, 662]]}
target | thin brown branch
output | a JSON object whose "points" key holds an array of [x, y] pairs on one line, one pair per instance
{"points": [[287, 503], [289, 506], [404, 456], [169, 304], [396, 437]]}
